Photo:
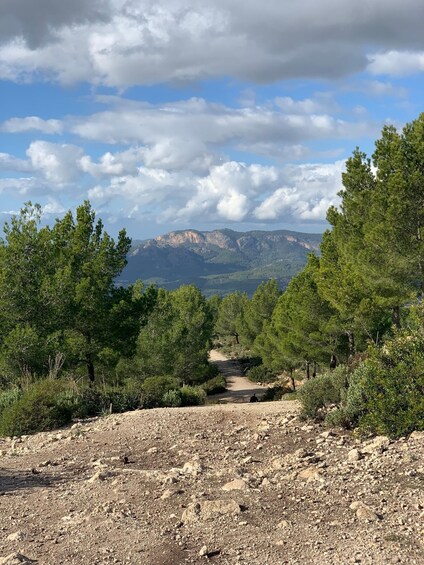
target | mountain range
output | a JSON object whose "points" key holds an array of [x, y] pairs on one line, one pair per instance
{"points": [[219, 261]]}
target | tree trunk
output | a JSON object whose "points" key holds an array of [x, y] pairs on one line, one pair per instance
{"points": [[314, 371], [89, 360], [396, 317], [351, 340], [333, 361], [292, 380], [308, 374], [236, 335], [90, 368]]}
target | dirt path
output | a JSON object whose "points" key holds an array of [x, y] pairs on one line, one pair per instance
{"points": [[239, 388], [232, 484]]}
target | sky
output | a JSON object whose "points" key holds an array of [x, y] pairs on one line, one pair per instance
{"points": [[176, 114]]}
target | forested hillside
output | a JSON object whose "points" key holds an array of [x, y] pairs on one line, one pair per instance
{"points": [[220, 261]]}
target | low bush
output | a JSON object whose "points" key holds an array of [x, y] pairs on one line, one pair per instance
{"points": [[153, 390], [319, 393], [172, 399], [261, 374], [274, 393], [386, 395], [215, 385], [192, 396], [44, 406], [9, 397]]}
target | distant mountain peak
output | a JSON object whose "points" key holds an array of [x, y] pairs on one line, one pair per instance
{"points": [[221, 260]]}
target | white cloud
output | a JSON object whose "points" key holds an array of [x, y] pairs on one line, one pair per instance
{"points": [[396, 63], [21, 186], [58, 163], [190, 133], [308, 191], [381, 88], [11, 163], [19, 125]]}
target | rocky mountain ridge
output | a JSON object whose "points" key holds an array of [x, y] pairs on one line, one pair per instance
{"points": [[219, 261]]}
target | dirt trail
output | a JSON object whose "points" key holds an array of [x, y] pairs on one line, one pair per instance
{"points": [[239, 388], [233, 484]]}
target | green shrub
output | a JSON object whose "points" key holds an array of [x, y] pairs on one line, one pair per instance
{"points": [[273, 393], [153, 390], [192, 396], [387, 392], [323, 391], [215, 385], [121, 399], [261, 374], [172, 398], [43, 407], [8, 397]]}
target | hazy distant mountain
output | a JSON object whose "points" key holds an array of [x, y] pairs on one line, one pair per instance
{"points": [[219, 261]]}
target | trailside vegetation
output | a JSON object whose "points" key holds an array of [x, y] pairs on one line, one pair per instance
{"points": [[74, 344]]}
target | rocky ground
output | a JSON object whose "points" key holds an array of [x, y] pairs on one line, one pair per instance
{"points": [[234, 483]]}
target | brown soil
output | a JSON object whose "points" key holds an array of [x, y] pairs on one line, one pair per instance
{"points": [[146, 487]]}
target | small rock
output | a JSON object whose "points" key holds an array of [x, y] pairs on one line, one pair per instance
{"points": [[98, 476], [310, 474], [283, 524], [377, 445], [210, 510], [354, 455], [364, 512], [237, 484], [15, 559], [16, 536], [152, 450], [203, 551], [192, 468]]}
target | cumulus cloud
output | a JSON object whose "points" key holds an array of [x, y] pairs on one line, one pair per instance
{"points": [[396, 63], [57, 163], [120, 43], [308, 191], [230, 192]]}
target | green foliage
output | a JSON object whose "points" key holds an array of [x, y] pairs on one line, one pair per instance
{"points": [[300, 327], [387, 394], [257, 311], [172, 399], [323, 391], [9, 397], [261, 374], [176, 337], [274, 393], [192, 396], [154, 389], [215, 385], [59, 283], [43, 407], [230, 313]]}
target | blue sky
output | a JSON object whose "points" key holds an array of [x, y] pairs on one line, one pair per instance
{"points": [[175, 114]]}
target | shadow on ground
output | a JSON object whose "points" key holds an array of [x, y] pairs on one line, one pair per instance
{"points": [[11, 480]]}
